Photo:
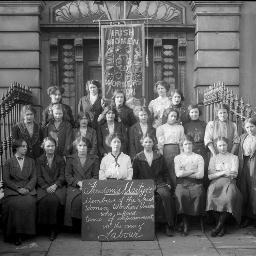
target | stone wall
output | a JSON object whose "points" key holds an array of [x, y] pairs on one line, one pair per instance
{"points": [[20, 45]]}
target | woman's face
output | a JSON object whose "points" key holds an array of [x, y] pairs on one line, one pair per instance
{"points": [[28, 116], [222, 114], [93, 89], [143, 117], [187, 146], [81, 148], [22, 150], [110, 116], [57, 115], [194, 114], [119, 99], [115, 145], [176, 99], [83, 122], [161, 90], [56, 97], [49, 147], [172, 117], [222, 146], [147, 143], [250, 128]]}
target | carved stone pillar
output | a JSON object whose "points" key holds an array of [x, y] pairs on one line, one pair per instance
{"points": [[79, 67], [182, 44], [157, 59], [54, 58]]}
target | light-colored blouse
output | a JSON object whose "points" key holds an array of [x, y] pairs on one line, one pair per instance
{"points": [[169, 134], [224, 162], [215, 129], [159, 105], [144, 128], [116, 168], [249, 145], [149, 157], [193, 162]]}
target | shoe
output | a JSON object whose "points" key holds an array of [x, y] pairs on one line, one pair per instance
{"points": [[52, 236], [169, 230], [222, 232], [185, 228], [180, 227], [17, 241], [220, 225]]}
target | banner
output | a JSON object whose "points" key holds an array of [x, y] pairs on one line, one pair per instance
{"points": [[123, 59]]}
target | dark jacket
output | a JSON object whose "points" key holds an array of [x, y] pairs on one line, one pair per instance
{"points": [[15, 178], [157, 171], [135, 136], [67, 115], [103, 133], [47, 176], [75, 172], [91, 135], [95, 109], [19, 131], [127, 116]]}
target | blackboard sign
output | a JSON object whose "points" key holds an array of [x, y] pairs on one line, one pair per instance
{"points": [[115, 210], [123, 60]]}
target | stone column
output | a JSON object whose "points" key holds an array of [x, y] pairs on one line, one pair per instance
{"points": [[216, 44], [20, 45]]}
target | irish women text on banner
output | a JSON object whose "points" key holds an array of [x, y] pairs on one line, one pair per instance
{"points": [[123, 60]]}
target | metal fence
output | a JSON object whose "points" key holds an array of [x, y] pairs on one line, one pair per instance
{"points": [[15, 96], [239, 109]]}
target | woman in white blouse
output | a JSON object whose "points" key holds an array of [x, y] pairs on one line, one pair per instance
{"points": [[169, 137], [223, 197], [160, 104], [190, 193], [116, 164]]}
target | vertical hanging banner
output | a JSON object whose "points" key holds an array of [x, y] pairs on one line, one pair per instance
{"points": [[123, 60]]}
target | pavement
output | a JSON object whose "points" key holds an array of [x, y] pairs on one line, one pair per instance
{"points": [[235, 242]]}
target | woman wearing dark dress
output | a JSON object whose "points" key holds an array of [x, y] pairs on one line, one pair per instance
{"points": [[110, 126], [51, 190], [196, 129], [55, 93], [138, 130], [189, 192], [92, 102], [30, 131], [19, 202], [223, 197], [149, 164], [60, 130], [84, 130], [79, 167], [177, 100], [247, 172]]}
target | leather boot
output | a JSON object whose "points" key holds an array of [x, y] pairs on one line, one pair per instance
{"points": [[185, 227], [220, 224]]}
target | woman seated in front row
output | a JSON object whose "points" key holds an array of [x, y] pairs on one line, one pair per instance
{"points": [[79, 166], [149, 164], [223, 196], [116, 164], [51, 191], [189, 192]]}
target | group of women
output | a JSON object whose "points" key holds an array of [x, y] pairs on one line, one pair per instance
{"points": [[165, 142]]}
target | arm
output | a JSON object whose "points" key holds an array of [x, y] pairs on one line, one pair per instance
{"points": [[69, 174], [129, 170], [236, 141], [61, 178], [182, 135], [68, 139], [7, 177], [199, 174], [180, 168], [213, 173], [40, 180], [103, 167], [132, 142], [135, 166], [95, 169], [94, 149], [208, 137], [32, 178], [233, 171], [15, 132], [100, 142], [160, 138]]}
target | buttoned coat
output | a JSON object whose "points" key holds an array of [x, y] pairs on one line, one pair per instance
{"points": [[19, 131], [75, 172], [135, 136], [47, 176], [15, 178]]}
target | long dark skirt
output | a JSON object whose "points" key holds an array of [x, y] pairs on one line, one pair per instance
{"points": [[165, 203], [48, 210], [76, 207], [248, 188], [199, 148], [190, 197], [224, 196], [19, 215], [169, 152]]}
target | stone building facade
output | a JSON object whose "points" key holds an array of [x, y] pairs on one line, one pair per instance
{"points": [[190, 44]]}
